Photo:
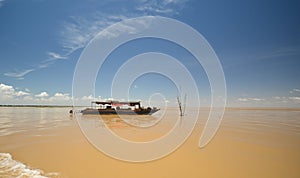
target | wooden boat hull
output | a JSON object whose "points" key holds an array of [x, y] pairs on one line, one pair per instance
{"points": [[147, 111]]}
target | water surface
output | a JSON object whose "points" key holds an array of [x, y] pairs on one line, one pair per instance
{"points": [[47, 142]]}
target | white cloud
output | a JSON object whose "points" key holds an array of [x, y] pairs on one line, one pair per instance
{"points": [[11, 95], [57, 99], [60, 95], [250, 99], [60, 98], [21, 93], [278, 97], [295, 90], [8, 92], [242, 99], [110, 99], [281, 98], [257, 99], [295, 98], [90, 97], [29, 99], [42, 95], [275, 101]]}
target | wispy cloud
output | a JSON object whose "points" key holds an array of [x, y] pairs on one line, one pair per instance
{"points": [[126, 27], [55, 56], [44, 64], [1, 3], [282, 52], [278, 53], [77, 31], [161, 7], [19, 74]]}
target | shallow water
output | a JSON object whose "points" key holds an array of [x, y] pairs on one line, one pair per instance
{"points": [[47, 142], [23, 119]]}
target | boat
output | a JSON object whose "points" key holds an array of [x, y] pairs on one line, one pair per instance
{"points": [[118, 107]]}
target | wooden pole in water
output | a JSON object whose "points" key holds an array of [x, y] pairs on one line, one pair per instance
{"points": [[179, 103], [182, 110]]}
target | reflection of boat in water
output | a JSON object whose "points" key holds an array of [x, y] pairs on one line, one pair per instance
{"points": [[117, 107]]}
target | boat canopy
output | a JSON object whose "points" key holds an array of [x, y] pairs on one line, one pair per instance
{"points": [[129, 103]]}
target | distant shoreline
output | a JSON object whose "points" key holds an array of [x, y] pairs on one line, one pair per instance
{"points": [[35, 106]]}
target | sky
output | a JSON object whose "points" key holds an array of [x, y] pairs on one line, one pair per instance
{"points": [[257, 43]]}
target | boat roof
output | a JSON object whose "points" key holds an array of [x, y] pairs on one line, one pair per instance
{"points": [[117, 102]]}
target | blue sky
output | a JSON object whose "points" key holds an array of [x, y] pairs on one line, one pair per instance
{"points": [[258, 44]]}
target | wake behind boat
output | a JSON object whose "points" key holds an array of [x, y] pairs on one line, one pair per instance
{"points": [[117, 107]]}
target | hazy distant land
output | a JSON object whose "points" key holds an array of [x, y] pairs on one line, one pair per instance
{"points": [[35, 106]]}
